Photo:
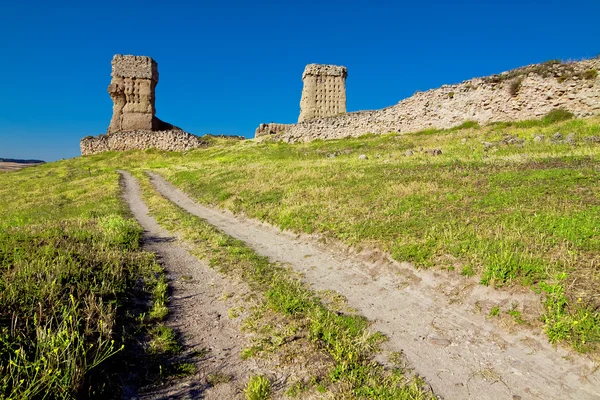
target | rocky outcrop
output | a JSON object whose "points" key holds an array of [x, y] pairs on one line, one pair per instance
{"points": [[524, 93], [324, 91], [169, 140]]}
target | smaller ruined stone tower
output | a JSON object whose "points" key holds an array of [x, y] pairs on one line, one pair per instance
{"points": [[324, 91], [134, 79]]}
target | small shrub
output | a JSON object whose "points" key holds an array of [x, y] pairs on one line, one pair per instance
{"points": [[515, 86], [557, 115], [495, 311], [466, 125], [451, 95], [590, 74]]}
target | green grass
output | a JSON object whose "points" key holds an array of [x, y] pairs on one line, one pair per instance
{"points": [[70, 274], [258, 388]]}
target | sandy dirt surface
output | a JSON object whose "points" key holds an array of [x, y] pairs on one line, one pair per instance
{"points": [[434, 318], [198, 312]]}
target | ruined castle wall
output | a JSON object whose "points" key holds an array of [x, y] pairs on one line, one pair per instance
{"points": [[324, 91], [525, 93], [270, 129], [170, 140]]}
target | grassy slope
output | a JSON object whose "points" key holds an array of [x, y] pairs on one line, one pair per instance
{"points": [[512, 214], [69, 262]]}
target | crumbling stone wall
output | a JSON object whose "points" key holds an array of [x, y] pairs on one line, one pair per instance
{"points": [[525, 93], [324, 91], [270, 129], [170, 140]]}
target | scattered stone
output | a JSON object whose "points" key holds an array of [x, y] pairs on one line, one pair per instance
{"points": [[363, 157], [332, 155], [570, 139], [593, 139], [557, 137], [463, 141], [539, 138], [408, 153], [440, 341], [488, 145], [512, 140], [435, 152]]}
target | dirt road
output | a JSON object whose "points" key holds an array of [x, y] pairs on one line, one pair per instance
{"points": [[198, 312], [432, 318]]}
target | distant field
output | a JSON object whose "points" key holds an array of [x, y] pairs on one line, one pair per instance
{"points": [[12, 166]]}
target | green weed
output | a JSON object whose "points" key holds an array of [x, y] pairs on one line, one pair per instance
{"points": [[258, 388]]}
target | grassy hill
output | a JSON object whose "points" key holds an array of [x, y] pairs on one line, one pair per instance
{"points": [[515, 204]]}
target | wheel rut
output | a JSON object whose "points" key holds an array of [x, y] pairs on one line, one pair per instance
{"points": [[197, 312], [459, 352]]}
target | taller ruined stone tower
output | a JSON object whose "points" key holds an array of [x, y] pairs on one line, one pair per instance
{"points": [[324, 91], [134, 79]]}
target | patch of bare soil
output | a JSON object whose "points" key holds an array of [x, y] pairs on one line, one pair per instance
{"points": [[437, 320], [200, 311]]}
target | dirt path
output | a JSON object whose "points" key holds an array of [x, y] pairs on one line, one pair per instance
{"points": [[430, 317], [198, 313]]}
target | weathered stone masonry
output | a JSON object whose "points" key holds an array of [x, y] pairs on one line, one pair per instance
{"points": [[324, 91], [170, 140], [134, 124], [524, 93]]}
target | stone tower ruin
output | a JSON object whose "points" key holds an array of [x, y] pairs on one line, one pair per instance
{"points": [[324, 91], [131, 89]]}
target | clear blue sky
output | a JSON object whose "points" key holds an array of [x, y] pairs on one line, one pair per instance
{"points": [[226, 66]]}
